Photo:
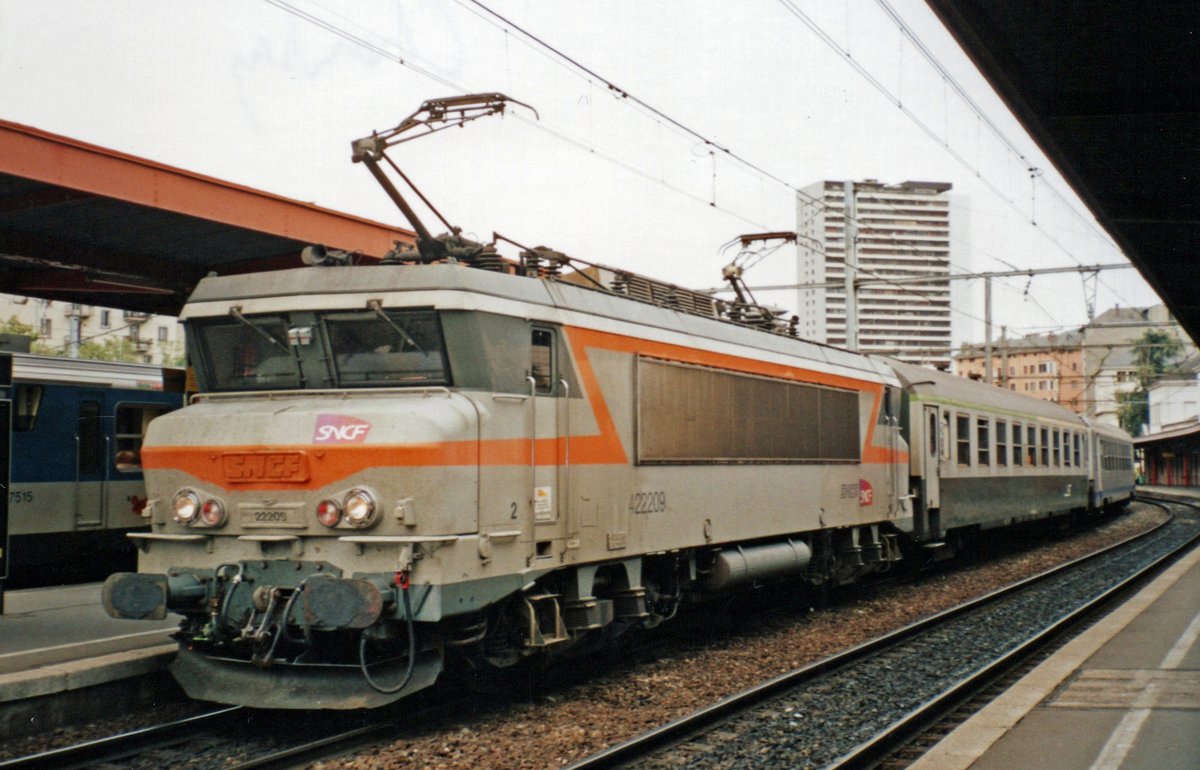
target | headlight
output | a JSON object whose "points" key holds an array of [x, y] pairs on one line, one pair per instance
{"points": [[186, 505], [329, 513], [360, 509], [212, 513]]}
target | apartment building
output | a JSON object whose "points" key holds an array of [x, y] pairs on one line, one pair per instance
{"points": [[63, 328], [901, 231], [1045, 366]]}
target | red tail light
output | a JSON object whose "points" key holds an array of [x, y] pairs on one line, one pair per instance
{"points": [[329, 513]]}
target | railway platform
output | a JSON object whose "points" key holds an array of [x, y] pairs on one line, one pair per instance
{"points": [[1124, 694], [59, 639]]}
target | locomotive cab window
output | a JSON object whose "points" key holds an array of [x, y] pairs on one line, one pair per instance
{"points": [[382, 348], [243, 353], [541, 367]]}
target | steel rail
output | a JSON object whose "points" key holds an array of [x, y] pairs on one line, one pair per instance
{"points": [[89, 753], [702, 720], [889, 740]]}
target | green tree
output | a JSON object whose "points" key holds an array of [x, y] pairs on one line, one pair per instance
{"points": [[110, 349], [13, 326], [1153, 352]]}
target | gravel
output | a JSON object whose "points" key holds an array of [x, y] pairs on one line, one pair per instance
{"points": [[555, 727], [706, 654]]}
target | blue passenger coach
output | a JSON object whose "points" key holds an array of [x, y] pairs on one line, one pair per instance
{"points": [[74, 432]]}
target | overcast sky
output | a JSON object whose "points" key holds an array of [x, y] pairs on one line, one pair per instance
{"points": [[270, 93]]}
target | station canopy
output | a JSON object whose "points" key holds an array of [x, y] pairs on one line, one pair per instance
{"points": [[1110, 90], [84, 224]]}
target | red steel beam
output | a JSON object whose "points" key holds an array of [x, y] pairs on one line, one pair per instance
{"points": [[58, 160]]}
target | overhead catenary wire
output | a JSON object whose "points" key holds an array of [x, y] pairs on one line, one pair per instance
{"points": [[878, 85], [560, 135], [590, 75]]}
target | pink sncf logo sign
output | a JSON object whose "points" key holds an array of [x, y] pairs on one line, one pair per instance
{"points": [[339, 429], [866, 495]]}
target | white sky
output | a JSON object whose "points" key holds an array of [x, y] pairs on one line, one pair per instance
{"points": [[249, 92]]}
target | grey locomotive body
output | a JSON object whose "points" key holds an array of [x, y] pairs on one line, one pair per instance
{"points": [[389, 466], [510, 466], [392, 465]]}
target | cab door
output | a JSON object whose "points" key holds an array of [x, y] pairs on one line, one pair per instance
{"points": [[549, 445], [931, 497], [91, 461]]}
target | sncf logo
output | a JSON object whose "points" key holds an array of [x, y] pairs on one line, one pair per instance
{"points": [[339, 429], [866, 495]]}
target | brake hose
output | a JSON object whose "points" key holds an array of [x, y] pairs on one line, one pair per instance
{"points": [[402, 582]]}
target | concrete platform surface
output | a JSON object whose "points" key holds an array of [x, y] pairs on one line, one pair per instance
{"points": [[60, 638], [1124, 694]]}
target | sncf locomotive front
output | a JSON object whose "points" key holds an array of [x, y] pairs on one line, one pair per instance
{"points": [[325, 455]]}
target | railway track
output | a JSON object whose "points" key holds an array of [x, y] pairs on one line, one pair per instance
{"points": [[855, 709], [231, 738], [243, 739]]}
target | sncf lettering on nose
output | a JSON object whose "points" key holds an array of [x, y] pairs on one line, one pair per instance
{"points": [[339, 429]]}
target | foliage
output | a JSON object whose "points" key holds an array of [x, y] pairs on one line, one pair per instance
{"points": [[111, 349], [1133, 411], [1153, 352], [13, 326], [173, 354]]}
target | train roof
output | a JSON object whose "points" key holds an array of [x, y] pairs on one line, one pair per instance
{"points": [[1112, 431], [349, 287], [933, 384], [81, 371]]}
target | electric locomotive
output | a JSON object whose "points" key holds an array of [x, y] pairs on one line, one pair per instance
{"points": [[456, 458], [438, 459]]}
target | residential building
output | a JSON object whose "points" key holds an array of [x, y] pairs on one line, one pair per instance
{"points": [[1084, 369], [1045, 366], [1174, 400], [903, 231], [1109, 365], [63, 327]]}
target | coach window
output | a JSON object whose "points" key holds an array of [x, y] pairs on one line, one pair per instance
{"points": [[1031, 446], [1078, 459], [542, 364], [1001, 443], [26, 401], [933, 434], [91, 438], [1045, 446], [131, 423], [1018, 450], [983, 443], [1055, 442], [963, 429]]}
